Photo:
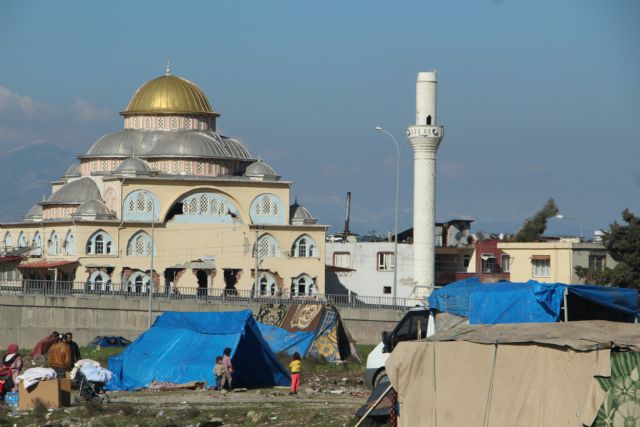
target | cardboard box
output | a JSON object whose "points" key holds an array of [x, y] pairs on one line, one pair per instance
{"points": [[53, 394]]}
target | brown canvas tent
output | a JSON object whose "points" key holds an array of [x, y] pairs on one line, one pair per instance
{"points": [[550, 374]]}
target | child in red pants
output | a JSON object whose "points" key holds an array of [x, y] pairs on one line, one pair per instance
{"points": [[295, 366]]}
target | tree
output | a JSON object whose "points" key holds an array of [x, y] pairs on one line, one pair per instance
{"points": [[534, 226], [622, 241]]}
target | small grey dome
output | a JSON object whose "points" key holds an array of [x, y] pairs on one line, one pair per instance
{"points": [[34, 214], [261, 170], [73, 171], [134, 166], [75, 192], [93, 209], [299, 215]]}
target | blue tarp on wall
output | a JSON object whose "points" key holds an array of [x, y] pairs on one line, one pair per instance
{"points": [[515, 303], [509, 302], [182, 347], [281, 340]]}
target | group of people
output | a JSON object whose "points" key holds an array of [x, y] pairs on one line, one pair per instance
{"points": [[63, 353], [223, 371]]}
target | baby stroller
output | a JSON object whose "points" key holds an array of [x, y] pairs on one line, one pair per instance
{"points": [[91, 390]]}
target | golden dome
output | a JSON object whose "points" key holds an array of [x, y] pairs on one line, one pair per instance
{"points": [[169, 95]]}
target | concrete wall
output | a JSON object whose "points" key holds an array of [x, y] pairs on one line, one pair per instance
{"points": [[25, 319]]}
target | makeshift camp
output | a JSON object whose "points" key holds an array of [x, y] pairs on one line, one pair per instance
{"points": [[532, 374], [510, 302], [182, 347], [309, 329], [110, 341]]}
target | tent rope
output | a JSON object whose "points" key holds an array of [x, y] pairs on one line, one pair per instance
{"points": [[490, 392]]}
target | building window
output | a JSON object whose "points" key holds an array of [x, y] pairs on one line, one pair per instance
{"points": [[489, 263], [304, 247], [342, 259], [385, 261], [466, 260], [99, 243], [541, 267], [506, 263], [597, 262], [303, 285], [53, 244], [139, 244], [386, 290], [268, 285], [69, 244], [268, 247]]}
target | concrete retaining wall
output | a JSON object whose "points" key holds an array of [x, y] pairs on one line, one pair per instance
{"points": [[25, 319]]}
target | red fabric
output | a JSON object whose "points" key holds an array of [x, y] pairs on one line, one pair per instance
{"points": [[295, 382], [42, 347], [12, 348]]}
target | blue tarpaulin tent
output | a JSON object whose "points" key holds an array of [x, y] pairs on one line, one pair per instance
{"points": [[182, 347], [281, 340], [509, 302]]}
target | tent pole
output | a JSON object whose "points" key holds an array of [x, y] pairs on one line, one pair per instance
{"points": [[566, 309], [374, 405]]}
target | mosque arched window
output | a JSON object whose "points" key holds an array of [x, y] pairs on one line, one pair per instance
{"points": [[304, 247], [268, 286], [174, 122], [268, 246], [100, 243], [53, 244], [141, 205], [140, 245], [267, 209], [99, 281], [208, 207], [303, 285], [69, 243], [22, 240], [37, 244], [138, 282]]}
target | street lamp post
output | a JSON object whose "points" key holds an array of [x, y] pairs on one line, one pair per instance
{"points": [[153, 221], [560, 216], [395, 247]]}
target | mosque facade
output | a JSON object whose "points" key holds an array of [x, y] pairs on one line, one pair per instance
{"points": [[168, 197]]}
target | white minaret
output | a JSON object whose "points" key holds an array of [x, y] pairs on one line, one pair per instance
{"points": [[425, 138]]}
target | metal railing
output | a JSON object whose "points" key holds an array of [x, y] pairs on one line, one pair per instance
{"points": [[195, 294]]}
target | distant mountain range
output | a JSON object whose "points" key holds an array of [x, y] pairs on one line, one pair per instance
{"points": [[25, 176]]}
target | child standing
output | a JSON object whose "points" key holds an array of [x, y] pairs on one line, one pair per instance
{"points": [[295, 366], [218, 372], [228, 368]]}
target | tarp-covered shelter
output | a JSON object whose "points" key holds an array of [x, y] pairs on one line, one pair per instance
{"points": [[533, 374], [108, 341], [309, 329], [510, 302], [182, 347]]}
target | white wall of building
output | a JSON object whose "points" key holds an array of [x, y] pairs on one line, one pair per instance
{"points": [[367, 279]]}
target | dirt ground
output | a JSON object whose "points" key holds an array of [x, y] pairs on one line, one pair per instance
{"points": [[325, 399]]}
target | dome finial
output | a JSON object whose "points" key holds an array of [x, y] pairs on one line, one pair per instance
{"points": [[167, 71]]}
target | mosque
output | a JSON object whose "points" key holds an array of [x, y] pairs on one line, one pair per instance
{"points": [[169, 198]]}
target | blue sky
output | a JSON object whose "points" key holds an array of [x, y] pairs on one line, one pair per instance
{"points": [[538, 99]]}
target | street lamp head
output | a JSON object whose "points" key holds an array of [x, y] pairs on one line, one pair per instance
{"points": [[560, 216], [379, 128]]}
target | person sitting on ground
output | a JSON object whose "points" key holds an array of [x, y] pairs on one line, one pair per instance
{"points": [[218, 372], [228, 369], [59, 358], [295, 367], [10, 368], [42, 347], [75, 350]]}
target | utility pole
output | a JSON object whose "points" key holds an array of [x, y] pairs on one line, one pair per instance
{"points": [[256, 285]]}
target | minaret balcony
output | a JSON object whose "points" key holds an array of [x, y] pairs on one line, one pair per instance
{"points": [[425, 131]]}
